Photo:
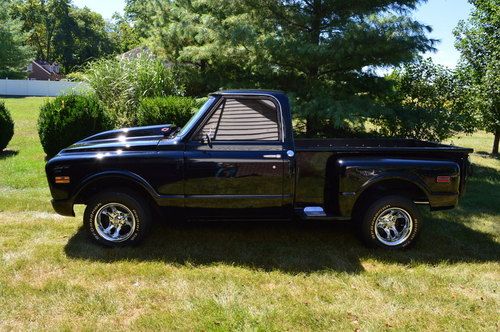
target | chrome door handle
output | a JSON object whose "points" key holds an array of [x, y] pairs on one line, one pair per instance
{"points": [[272, 156]]}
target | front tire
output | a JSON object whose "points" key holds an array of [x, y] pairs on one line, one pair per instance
{"points": [[117, 218], [391, 222]]}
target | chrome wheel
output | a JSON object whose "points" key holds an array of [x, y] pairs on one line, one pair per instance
{"points": [[393, 226], [114, 222]]}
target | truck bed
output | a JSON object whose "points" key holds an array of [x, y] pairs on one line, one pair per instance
{"points": [[374, 145], [316, 162]]}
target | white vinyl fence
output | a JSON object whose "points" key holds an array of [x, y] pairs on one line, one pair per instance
{"points": [[39, 88]]}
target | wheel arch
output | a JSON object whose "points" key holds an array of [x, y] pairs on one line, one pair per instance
{"points": [[114, 179], [400, 186]]}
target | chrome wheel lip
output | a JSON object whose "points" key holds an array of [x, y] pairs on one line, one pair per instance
{"points": [[393, 226], [111, 217]]}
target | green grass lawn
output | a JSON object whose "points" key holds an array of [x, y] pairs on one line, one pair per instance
{"points": [[253, 276]]}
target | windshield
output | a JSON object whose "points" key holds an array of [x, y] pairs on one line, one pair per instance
{"points": [[196, 117]]}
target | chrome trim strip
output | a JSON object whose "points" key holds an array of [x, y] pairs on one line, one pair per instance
{"points": [[236, 196]]}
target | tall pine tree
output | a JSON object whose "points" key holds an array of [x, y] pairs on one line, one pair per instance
{"points": [[14, 54], [322, 52]]}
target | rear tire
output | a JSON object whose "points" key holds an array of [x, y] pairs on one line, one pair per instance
{"points": [[391, 222], [117, 218]]}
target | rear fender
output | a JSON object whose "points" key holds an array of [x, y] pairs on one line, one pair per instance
{"points": [[359, 174], [349, 199], [397, 176]]}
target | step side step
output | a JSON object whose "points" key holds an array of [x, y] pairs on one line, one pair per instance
{"points": [[316, 213]]}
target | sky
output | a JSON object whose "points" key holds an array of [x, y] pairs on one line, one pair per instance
{"points": [[105, 7], [441, 15]]}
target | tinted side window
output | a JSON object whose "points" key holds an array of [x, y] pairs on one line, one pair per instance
{"points": [[243, 120]]}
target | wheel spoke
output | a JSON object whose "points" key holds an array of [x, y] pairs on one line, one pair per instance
{"points": [[388, 233], [395, 232], [108, 229], [116, 234], [128, 221]]}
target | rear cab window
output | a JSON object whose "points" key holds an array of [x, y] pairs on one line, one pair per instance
{"points": [[242, 119]]}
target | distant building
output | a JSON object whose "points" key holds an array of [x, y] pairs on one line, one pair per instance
{"points": [[44, 71], [135, 53], [138, 52]]}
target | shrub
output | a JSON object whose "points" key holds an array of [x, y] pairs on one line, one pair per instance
{"points": [[6, 127], [430, 124], [426, 103], [121, 83], [70, 118], [167, 110]]}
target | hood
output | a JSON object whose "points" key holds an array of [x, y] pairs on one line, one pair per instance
{"points": [[131, 139]]}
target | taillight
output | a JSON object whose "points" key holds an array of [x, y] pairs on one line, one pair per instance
{"points": [[443, 179]]}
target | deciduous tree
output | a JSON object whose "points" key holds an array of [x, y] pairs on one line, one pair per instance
{"points": [[92, 37], [427, 101], [478, 40], [124, 35], [61, 32]]}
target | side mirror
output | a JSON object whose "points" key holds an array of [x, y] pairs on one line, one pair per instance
{"points": [[208, 140]]}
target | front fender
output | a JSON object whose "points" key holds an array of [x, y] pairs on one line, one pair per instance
{"points": [[118, 177]]}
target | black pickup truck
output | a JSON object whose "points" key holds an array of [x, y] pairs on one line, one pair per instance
{"points": [[237, 159]]}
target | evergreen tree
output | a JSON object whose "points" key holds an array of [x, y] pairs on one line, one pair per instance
{"points": [[14, 55], [322, 52]]}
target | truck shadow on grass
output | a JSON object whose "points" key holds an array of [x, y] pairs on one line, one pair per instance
{"points": [[486, 154], [300, 247], [290, 247], [7, 154]]}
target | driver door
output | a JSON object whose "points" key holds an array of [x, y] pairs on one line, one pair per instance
{"points": [[234, 163]]}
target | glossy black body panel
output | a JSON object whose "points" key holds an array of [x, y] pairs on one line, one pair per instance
{"points": [[227, 177], [253, 180]]}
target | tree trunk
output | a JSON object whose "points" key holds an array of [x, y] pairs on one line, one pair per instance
{"points": [[312, 124], [496, 141], [312, 121]]}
